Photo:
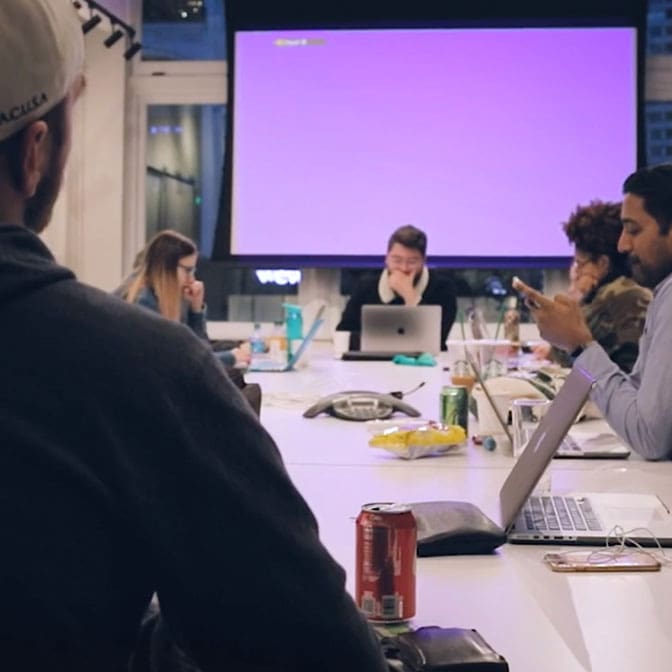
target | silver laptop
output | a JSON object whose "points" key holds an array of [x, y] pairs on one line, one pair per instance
{"points": [[278, 367], [399, 329], [577, 518], [592, 445], [576, 444]]}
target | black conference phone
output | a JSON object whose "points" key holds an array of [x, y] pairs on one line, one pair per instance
{"points": [[360, 405]]}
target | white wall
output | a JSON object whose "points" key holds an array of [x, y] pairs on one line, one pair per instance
{"points": [[86, 229]]}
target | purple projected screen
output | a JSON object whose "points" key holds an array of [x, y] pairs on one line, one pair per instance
{"points": [[484, 138]]}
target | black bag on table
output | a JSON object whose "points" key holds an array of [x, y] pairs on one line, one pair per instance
{"points": [[434, 649]]}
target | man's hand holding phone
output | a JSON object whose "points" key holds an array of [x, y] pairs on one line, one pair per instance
{"points": [[560, 320], [533, 298]]}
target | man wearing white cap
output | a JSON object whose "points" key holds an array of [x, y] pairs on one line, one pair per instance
{"points": [[129, 464]]}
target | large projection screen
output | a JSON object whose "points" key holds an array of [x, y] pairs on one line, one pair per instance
{"points": [[486, 138]]}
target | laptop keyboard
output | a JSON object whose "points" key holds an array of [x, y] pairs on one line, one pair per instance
{"points": [[555, 514]]}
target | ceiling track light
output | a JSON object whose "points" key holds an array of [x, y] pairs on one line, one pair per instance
{"points": [[91, 23], [132, 50], [119, 28], [116, 35]]}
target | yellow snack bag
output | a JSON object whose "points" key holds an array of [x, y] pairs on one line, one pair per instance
{"points": [[411, 443]]}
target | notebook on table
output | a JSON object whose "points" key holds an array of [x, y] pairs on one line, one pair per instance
{"points": [[260, 365], [392, 330], [577, 518]]}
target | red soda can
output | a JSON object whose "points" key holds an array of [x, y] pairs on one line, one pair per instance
{"points": [[385, 573]]}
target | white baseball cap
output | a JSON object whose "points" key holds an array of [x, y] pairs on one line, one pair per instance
{"points": [[42, 53]]}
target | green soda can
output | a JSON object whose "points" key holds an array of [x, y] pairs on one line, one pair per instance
{"points": [[454, 406]]}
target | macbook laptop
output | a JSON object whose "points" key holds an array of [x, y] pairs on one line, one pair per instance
{"points": [[576, 518], [592, 445], [401, 329], [575, 444], [279, 367]]}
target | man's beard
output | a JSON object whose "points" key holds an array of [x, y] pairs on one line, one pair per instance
{"points": [[648, 275], [39, 207]]}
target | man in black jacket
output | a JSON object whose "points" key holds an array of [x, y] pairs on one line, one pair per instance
{"points": [[129, 464], [405, 280]]}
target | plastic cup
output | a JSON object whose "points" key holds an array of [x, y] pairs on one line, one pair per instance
{"points": [[493, 357], [459, 366], [341, 343]]}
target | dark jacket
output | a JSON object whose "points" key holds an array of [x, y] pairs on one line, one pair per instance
{"points": [[129, 465], [438, 292]]}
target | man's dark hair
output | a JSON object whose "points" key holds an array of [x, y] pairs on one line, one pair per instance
{"points": [[654, 186], [410, 237], [594, 229], [10, 148]]}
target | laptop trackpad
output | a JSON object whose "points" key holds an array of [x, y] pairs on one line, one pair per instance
{"points": [[629, 510]]}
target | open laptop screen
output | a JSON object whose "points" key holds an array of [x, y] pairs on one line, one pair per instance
{"points": [[543, 444]]}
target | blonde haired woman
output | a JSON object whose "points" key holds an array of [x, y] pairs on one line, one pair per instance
{"points": [[165, 283]]}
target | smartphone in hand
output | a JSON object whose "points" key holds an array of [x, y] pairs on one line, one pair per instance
{"points": [[525, 291]]}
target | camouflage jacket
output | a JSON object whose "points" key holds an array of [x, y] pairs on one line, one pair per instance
{"points": [[615, 314]]}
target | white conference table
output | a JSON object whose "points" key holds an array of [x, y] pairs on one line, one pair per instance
{"points": [[538, 619]]}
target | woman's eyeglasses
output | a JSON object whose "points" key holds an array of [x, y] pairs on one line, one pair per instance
{"points": [[189, 270], [580, 263]]}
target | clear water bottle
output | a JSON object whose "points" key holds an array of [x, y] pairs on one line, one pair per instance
{"points": [[257, 345]]}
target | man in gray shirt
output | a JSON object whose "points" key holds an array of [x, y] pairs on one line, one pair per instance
{"points": [[635, 405]]}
